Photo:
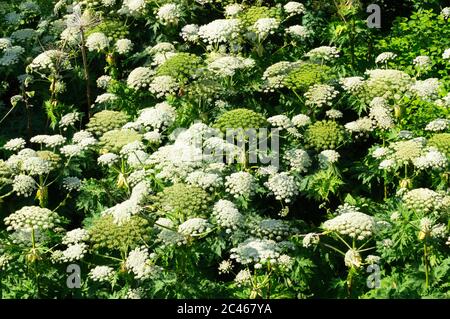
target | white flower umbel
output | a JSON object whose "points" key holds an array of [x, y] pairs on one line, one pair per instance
{"points": [[122, 212], [71, 150], [352, 84], [169, 13], [328, 157], [301, 120], [207, 181], [158, 118], [97, 41], [153, 137], [104, 81], [5, 43], [71, 183], [385, 57], [15, 144], [324, 53], [194, 227], [434, 126], [255, 250], [50, 61], [298, 31], [106, 98], [273, 229], [293, 8], [37, 166], [280, 121], [299, 160], [310, 240], [140, 78], [11, 55], [163, 85], [75, 236], [423, 200], [422, 62], [228, 65], [101, 273], [139, 263], [219, 31], [133, 7], [232, 10], [265, 26], [24, 185], [446, 54], [31, 217], [69, 120], [427, 89], [356, 225], [282, 186], [107, 159], [243, 277], [189, 33], [73, 252], [227, 215], [123, 46], [334, 114], [352, 259], [225, 267], [240, 184], [320, 95]]}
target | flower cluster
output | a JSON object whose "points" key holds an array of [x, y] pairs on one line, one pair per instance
{"points": [[354, 224]]}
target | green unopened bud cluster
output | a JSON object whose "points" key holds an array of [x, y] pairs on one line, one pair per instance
{"points": [[240, 118], [105, 121], [104, 233], [324, 135]]}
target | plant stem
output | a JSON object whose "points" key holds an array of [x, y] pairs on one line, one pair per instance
{"points": [[86, 74], [425, 260]]}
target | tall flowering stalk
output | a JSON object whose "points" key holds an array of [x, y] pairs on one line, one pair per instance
{"points": [[82, 21]]}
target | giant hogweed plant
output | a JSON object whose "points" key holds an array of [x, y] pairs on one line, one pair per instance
{"points": [[126, 174]]}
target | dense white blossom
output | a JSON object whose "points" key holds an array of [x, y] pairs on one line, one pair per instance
{"points": [[194, 227], [163, 85], [75, 236], [219, 31], [438, 125], [282, 186], [101, 273], [24, 185], [256, 251], [227, 215], [169, 13], [240, 184], [123, 46], [190, 32], [325, 53], [354, 224], [385, 57], [15, 144], [139, 263], [31, 217], [140, 77], [97, 41], [294, 8]]}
